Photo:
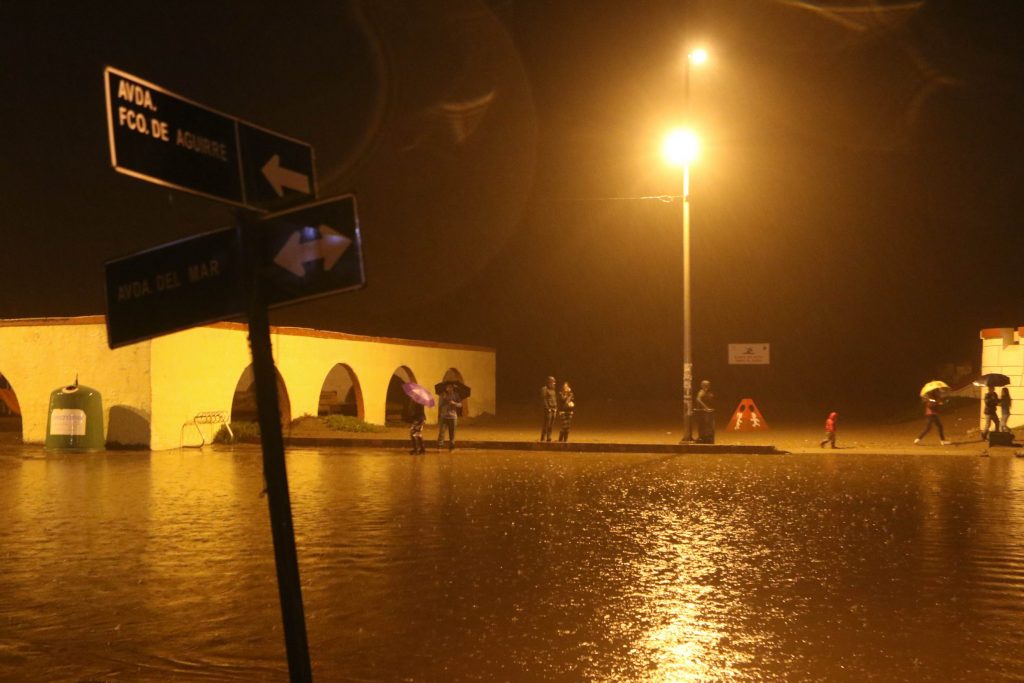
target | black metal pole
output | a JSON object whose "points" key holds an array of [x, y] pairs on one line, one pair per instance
{"points": [[274, 471]]}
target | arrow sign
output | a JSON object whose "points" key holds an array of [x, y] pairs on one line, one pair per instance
{"points": [[280, 178], [295, 254], [312, 251], [164, 138]]}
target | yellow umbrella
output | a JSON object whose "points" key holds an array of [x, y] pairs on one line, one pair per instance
{"points": [[932, 386]]}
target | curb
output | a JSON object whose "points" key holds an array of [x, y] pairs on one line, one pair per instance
{"points": [[570, 447]]}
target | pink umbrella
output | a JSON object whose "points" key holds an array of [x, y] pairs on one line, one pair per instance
{"points": [[419, 393]]}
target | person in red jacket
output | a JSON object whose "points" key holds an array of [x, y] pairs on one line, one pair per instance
{"points": [[830, 430], [934, 402]]}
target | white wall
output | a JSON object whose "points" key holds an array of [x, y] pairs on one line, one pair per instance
{"points": [[152, 388]]}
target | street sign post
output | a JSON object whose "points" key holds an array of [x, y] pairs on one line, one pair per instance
{"points": [[167, 139]]}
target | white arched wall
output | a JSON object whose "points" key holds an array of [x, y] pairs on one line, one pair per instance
{"points": [[304, 360], [150, 389]]}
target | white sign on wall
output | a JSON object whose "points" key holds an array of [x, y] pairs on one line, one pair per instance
{"points": [[749, 354]]}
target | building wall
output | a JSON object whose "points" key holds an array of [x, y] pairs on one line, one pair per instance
{"points": [[153, 388], [1001, 352], [38, 356]]}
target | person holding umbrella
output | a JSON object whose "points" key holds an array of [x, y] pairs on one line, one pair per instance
{"points": [[419, 396], [932, 395], [991, 406], [448, 415]]}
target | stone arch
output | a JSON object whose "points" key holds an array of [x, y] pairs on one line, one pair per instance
{"points": [[340, 394], [453, 375], [10, 408], [395, 400], [243, 404]]}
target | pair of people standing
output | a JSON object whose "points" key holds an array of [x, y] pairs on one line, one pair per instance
{"points": [[1000, 403], [447, 416], [557, 405]]}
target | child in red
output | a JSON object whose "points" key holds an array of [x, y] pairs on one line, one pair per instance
{"points": [[830, 430]]}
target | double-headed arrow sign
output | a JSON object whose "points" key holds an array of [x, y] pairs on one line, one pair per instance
{"points": [[169, 140], [304, 253]]}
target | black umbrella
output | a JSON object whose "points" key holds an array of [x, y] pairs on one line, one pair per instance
{"points": [[993, 379], [461, 390]]}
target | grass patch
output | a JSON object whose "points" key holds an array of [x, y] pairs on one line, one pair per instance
{"points": [[347, 423], [244, 432]]}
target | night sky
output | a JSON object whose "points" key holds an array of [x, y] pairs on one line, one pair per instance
{"points": [[856, 204]]}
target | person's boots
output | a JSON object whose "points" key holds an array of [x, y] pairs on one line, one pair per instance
{"points": [[415, 447], [563, 435]]}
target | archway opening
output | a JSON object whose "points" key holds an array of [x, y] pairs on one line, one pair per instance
{"points": [[243, 404], [453, 375], [396, 402], [340, 393], [10, 410]]}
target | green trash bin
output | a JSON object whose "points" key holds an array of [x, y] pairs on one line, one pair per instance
{"points": [[75, 420]]}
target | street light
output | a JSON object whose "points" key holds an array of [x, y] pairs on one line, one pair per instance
{"points": [[680, 149]]}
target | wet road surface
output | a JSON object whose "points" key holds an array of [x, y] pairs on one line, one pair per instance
{"points": [[512, 566]]}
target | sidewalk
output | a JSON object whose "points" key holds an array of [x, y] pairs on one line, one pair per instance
{"points": [[655, 428]]}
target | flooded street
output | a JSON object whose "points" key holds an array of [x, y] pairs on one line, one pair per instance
{"points": [[495, 566]]}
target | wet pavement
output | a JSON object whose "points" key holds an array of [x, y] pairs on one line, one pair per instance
{"points": [[519, 566]]}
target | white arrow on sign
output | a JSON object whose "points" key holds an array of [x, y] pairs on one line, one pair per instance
{"points": [[280, 178], [295, 254]]}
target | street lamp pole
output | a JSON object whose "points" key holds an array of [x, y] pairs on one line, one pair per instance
{"points": [[699, 57], [687, 348]]}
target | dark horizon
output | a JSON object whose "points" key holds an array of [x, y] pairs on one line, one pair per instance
{"points": [[854, 205]]}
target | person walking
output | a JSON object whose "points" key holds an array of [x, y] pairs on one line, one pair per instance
{"points": [[566, 409], [417, 417], [549, 402], [1004, 408], [706, 413], [933, 404], [991, 406], [830, 430], [447, 416]]}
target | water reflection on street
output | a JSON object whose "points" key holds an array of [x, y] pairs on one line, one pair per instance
{"points": [[482, 565]]}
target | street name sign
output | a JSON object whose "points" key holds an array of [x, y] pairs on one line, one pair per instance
{"points": [[304, 253], [173, 287], [167, 139], [312, 251]]}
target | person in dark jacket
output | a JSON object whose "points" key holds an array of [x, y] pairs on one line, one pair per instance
{"points": [[447, 416], [566, 410], [549, 402], [705, 413], [830, 430], [933, 403], [991, 408]]}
